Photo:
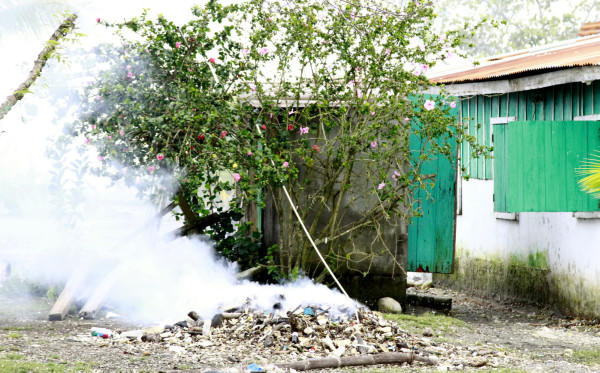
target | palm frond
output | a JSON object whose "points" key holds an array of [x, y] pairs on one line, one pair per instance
{"points": [[29, 20], [589, 175]]}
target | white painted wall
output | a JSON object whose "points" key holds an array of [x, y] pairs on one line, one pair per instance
{"points": [[572, 245]]}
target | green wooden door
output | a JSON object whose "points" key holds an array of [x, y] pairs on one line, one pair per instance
{"points": [[431, 236], [535, 163]]}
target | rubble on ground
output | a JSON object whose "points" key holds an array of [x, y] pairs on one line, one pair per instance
{"points": [[239, 336]]}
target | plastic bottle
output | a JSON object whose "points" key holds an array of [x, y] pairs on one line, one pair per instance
{"points": [[101, 332]]}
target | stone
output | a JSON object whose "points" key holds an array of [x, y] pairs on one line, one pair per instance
{"points": [[389, 305], [428, 332]]}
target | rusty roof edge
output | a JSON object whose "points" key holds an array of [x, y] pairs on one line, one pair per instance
{"points": [[564, 76]]}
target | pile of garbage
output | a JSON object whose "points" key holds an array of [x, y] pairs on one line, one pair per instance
{"points": [[307, 332]]}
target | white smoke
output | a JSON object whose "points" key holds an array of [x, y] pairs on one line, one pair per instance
{"points": [[155, 279]]}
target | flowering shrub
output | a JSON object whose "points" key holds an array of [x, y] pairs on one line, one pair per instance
{"points": [[250, 97]]}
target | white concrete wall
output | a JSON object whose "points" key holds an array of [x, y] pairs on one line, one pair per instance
{"points": [[572, 245]]}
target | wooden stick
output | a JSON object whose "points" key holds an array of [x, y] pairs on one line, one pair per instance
{"points": [[40, 62], [64, 301], [346, 361], [94, 303]]}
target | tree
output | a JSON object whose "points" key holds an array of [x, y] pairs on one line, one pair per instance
{"points": [[252, 97], [517, 24]]}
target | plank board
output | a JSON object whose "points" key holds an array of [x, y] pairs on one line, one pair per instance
{"points": [[95, 302], [67, 296]]}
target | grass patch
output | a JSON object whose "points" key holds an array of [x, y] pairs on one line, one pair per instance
{"points": [[14, 335], [588, 357], [16, 328], [14, 356], [437, 322], [18, 366]]}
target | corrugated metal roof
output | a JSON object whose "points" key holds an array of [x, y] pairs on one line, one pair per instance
{"points": [[589, 28], [575, 52]]}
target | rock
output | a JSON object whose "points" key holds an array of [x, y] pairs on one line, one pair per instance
{"points": [[216, 321], [428, 332], [389, 305]]}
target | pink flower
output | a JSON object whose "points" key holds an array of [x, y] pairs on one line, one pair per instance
{"points": [[351, 83], [387, 51], [245, 51], [151, 168], [124, 150], [249, 153], [453, 104], [352, 15], [212, 60], [130, 75], [290, 127], [381, 186], [121, 132], [263, 127], [109, 137], [303, 130], [98, 20], [292, 112], [374, 144], [87, 141], [160, 157], [128, 67], [422, 47], [285, 164], [237, 177], [100, 158], [417, 72], [424, 68], [271, 116], [372, 113], [177, 45], [223, 134], [449, 55], [263, 51], [93, 126], [98, 98], [429, 105], [316, 148]]}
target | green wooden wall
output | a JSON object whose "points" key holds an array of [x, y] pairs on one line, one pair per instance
{"points": [[558, 103], [535, 164]]}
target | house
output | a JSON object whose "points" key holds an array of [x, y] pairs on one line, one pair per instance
{"points": [[524, 229]]}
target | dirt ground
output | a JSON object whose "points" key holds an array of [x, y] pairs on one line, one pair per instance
{"points": [[480, 335]]}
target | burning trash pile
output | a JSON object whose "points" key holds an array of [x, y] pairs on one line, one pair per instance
{"points": [[311, 336]]}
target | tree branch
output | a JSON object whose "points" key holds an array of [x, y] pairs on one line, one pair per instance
{"points": [[62, 30]]}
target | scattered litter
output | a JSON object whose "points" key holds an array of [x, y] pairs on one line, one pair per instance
{"points": [[101, 332]]}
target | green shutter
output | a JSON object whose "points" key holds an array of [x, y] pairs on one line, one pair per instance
{"points": [[535, 163]]}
